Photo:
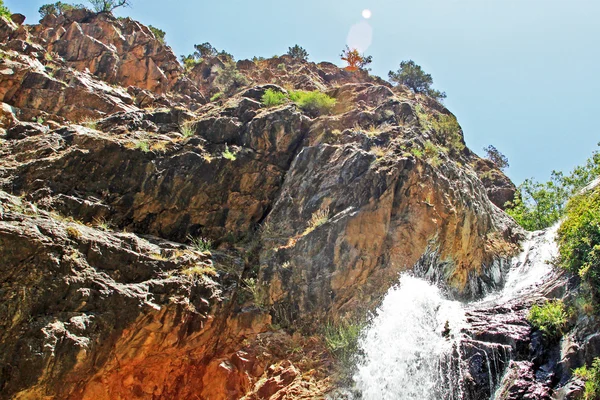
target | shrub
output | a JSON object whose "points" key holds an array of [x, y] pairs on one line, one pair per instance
{"points": [[4, 11], [159, 34], [227, 154], [298, 53], [354, 59], [273, 98], [314, 103], [579, 240], [539, 205], [342, 341], [187, 129], [198, 271], [494, 155], [200, 244], [550, 318], [216, 96], [317, 219], [229, 79], [57, 8], [107, 6], [413, 76], [142, 145], [591, 376], [448, 127]]}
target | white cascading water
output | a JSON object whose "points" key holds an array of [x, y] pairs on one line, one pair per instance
{"points": [[405, 353]]}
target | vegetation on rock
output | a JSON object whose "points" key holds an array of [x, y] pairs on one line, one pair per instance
{"points": [[298, 52], [229, 79], [107, 6], [355, 59], [273, 98], [579, 240], [58, 8], [4, 11], [494, 155], [550, 318], [591, 376], [314, 103], [539, 205], [412, 75], [159, 34]]}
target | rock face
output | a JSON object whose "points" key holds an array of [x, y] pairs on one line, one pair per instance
{"points": [[111, 158]]}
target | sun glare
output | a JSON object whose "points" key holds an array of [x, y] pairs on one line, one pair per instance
{"points": [[366, 13]]}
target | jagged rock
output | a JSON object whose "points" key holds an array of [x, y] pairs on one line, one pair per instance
{"points": [[520, 383], [500, 189], [18, 19]]}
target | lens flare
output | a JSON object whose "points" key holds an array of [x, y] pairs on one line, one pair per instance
{"points": [[360, 36], [366, 13]]}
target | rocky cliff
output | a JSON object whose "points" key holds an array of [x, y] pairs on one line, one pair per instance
{"points": [[160, 245]]}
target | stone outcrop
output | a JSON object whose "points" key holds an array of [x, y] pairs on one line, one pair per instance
{"points": [[111, 158]]}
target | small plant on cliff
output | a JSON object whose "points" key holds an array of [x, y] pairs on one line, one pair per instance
{"points": [[142, 145], [317, 219], [591, 376], [494, 155], [342, 341], [579, 240], [314, 103], [412, 75], [298, 52], [108, 6], [228, 154], [229, 79], [550, 318], [216, 96], [200, 244], [187, 129], [4, 11], [199, 270], [251, 286], [355, 59], [159, 34], [447, 126], [273, 98], [58, 8]]}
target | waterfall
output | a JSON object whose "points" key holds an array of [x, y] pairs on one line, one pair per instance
{"points": [[412, 347]]}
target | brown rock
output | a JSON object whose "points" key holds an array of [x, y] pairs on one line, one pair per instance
{"points": [[18, 19]]}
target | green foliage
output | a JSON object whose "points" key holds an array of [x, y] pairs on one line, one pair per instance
{"points": [[58, 8], [413, 76], [314, 103], [216, 96], [448, 127], [189, 62], [227, 154], [342, 341], [200, 244], [591, 376], [202, 52], [494, 155], [579, 240], [298, 52], [187, 129], [550, 318], [159, 34], [142, 145], [4, 11], [539, 205], [273, 98], [229, 79], [107, 6]]}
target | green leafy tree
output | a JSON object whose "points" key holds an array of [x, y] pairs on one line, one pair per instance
{"points": [[108, 6], [494, 155], [159, 34], [412, 75], [539, 205], [229, 79], [58, 8], [204, 50], [298, 52], [4, 11]]}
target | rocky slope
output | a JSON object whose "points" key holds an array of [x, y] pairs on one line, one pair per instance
{"points": [[112, 157]]}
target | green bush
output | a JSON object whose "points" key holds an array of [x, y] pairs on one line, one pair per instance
{"points": [[200, 244], [448, 127], [579, 240], [228, 154], [58, 8], [550, 318], [314, 103], [591, 376], [4, 11], [539, 205], [159, 34], [342, 341], [412, 75], [273, 98], [298, 52], [108, 6], [229, 79]]}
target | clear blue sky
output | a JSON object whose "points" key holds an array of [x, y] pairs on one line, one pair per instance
{"points": [[520, 74]]}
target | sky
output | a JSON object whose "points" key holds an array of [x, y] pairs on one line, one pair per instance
{"points": [[521, 75]]}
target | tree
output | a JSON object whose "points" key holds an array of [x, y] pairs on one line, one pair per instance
{"points": [[204, 50], [298, 52], [412, 75], [354, 59], [107, 6], [494, 155], [159, 34], [58, 8], [4, 11]]}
